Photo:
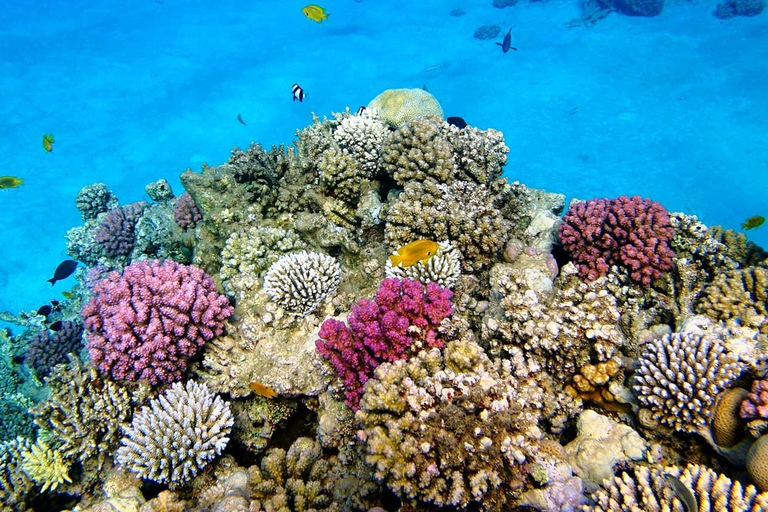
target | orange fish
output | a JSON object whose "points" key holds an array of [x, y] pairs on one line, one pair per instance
{"points": [[262, 390]]}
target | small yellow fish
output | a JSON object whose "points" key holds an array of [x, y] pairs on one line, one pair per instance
{"points": [[10, 181], [68, 295], [48, 142], [753, 222], [262, 390], [315, 13], [414, 252]]}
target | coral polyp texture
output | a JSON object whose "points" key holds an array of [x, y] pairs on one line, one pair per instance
{"points": [[361, 137], [404, 318], [148, 321], [631, 232], [186, 214], [300, 281], [443, 268], [116, 233], [679, 377], [398, 106], [738, 295], [450, 428], [648, 488], [95, 199], [418, 151], [177, 435], [48, 348]]}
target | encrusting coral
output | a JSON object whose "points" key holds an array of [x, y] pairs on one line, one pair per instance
{"points": [[300, 281], [679, 377], [177, 435], [443, 268], [450, 428]]}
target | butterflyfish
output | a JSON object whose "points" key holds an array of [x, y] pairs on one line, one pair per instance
{"points": [[315, 13], [753, 222], [48, 142], [414, 252], [262, 390], [298, 92], [10, 181]]}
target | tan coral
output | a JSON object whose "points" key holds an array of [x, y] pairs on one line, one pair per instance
{"points": [[740, 295], [727, 425], [398, 106]]}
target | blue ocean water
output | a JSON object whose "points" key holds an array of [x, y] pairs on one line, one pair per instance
{"points": [[672, 107]]}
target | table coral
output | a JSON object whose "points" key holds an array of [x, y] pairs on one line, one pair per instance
{"points": [[177, 435], [300, 281], [450, 428], [403, 319], [738, 295], [148, 321], [398, 106], [631, 232]]}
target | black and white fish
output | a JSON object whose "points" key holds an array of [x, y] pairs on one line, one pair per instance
{"points": [[298, 93], [360, 110], [506, 44]]}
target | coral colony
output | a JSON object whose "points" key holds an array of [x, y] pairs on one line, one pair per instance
{"points": [[250, 344]]}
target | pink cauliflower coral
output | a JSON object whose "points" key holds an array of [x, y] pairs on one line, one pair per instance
{"points": [[403, 319], [148, 321], [755, 406], [630, 232]]}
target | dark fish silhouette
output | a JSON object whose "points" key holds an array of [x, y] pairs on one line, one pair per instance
{"points": [[45, 310], [55, 304], [506, 44], [56, 326], [63, 271], [360, 110], [240, 118], [457, 122]]}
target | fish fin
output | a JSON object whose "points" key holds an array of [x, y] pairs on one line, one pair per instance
{"points": [[499, 44], [394, 259], [51, 280], [512, 48]]}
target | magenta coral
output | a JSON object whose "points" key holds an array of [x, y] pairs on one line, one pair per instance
{"points": [[186, 214], [117, 231], [145, 323], [404, 318], [630, 232], [755, 406]]}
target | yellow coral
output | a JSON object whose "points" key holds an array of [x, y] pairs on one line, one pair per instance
{"points": [[398, 106], [45, 466]]}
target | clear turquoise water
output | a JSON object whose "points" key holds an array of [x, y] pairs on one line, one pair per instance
{"points": [[673, 107]]}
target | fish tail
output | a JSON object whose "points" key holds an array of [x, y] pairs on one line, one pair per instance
{"points": [[51, 280]]}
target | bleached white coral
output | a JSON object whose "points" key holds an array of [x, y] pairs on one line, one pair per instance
{"points": [[443, 268], [362, 136], [300, 281], [177, 434], [679, 377]]}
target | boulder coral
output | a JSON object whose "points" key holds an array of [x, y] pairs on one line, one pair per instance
{"points": [[398, 106]]}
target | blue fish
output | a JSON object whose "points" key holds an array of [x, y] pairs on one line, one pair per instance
{"points": [[506, 45]]}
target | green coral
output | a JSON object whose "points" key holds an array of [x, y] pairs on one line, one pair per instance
{"points": [[451, 428], [418, 151], [398, 106]]}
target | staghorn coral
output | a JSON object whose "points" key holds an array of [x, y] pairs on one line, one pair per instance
{"points": [[450, 428], [679, 377], [463, 213], [177, 435], [418, 151], [300, 281], [148, 321], [646, 488], [45, 466], [399, 106], [250, 252], [48, 348], [94, 199], [738, 295], [186, 214], [15, 485], [362, 137], [443, 268], [116, 233]]}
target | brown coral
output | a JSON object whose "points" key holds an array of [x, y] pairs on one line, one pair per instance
{"points": [[738, 295]]}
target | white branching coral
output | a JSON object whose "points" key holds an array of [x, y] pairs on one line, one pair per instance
{"points": [[679, 377], [300, 281], [177, 434], [443, 268], [362, 136]]}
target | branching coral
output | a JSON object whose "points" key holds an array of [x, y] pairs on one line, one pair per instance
{"points": [[300, 281], [185, 212], [94, 199], [45, 466], [177, 435], [450, 428], [362, 137], [117, 231], [679, 377], [47, 349], [15, 485], [740, 295], [443, 268], [479, 155], [418, 151], [341, 176]]}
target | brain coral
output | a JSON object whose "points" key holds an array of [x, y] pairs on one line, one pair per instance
{"points": [[398, 106], [679, 377], [300, 281], [450, 428]]}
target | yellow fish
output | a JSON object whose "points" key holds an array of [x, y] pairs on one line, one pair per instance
{"points": [[753, 222], [414, 252], [48, 141], [68, 295], [10, 181], [315, 13], [262, 390]]}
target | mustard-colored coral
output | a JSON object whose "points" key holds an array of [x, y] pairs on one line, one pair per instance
{"points": [[738, 295], [398, 106], [341, 175], [45, 466], [418, 151]]}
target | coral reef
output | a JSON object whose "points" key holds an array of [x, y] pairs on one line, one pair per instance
{"points": [[417, 151], [443, 268], [398, 106], [730, 8], [300, 281], [404, 318], [15, 485], [679, 377], [754, 407], [177, 435], [450, 428], [484, 32], [44, 466], [146, 322], [633, 233], [739, 295], [159, 191], [728, 427], [116, 233], [48, 348], [647, 8], [362, 137], [95, 199]]}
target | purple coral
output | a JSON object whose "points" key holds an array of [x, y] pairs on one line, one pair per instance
{"points": [[403, 317], [185, 212], [117, 231], [47, 349], [147, 322], [627, 231], [755, 406]]}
